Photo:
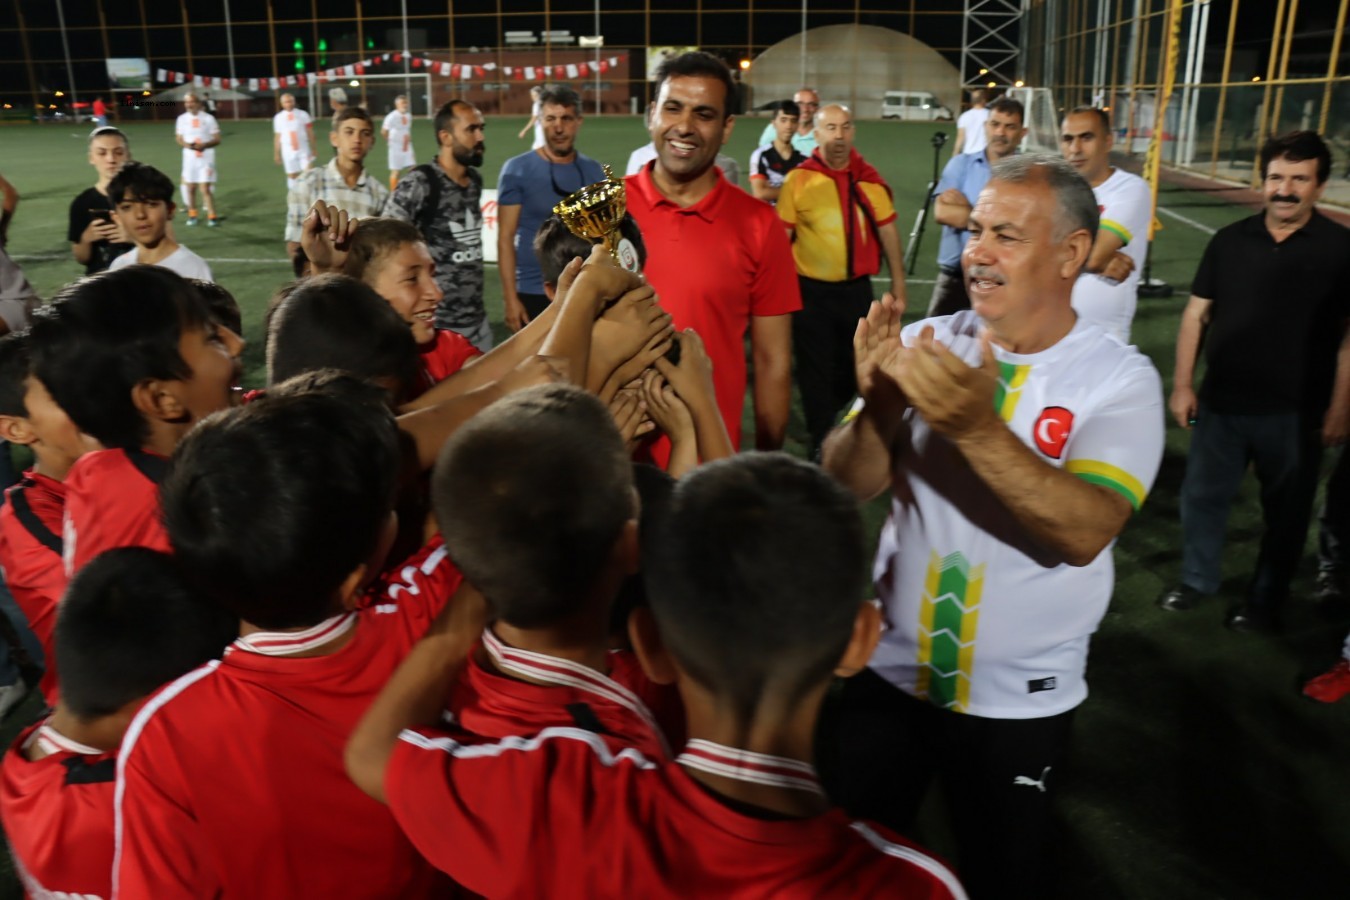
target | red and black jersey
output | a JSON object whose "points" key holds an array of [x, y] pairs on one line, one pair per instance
{"points": [[446, 354], [232, 780], [31, 557], [58, 815], [112, 500], [569, 814]]}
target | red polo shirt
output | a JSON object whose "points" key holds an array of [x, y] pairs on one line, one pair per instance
{"points": [[714, 265], [112, 500]]}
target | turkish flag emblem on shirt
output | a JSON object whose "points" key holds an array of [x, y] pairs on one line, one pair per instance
{"points": [[1052, 430]]}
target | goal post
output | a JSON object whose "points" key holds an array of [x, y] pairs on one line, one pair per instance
{"points": [[376, 93], [1042, 118]]}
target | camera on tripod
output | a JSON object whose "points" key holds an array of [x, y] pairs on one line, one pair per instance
{"points": [[938, 139]]}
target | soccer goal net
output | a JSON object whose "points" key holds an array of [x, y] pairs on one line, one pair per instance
{"points": [[376, 93], [1042, 119]]}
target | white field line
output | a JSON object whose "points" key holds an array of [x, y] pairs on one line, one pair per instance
{"points": [[1198, 226]]}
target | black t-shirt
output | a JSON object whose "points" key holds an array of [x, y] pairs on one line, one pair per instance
{"points": [[103, 252], [1278, 313]]}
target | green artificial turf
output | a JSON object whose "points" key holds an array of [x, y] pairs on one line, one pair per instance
{"points": [[1198, 770]]}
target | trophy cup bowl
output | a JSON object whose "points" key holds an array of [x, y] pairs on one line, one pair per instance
{"points": [[595, 211]]}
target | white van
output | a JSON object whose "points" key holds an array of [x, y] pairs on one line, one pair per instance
{"points": [[919, 106]]}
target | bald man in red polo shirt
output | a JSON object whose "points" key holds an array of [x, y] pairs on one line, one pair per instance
{"points": [[718, 258]]}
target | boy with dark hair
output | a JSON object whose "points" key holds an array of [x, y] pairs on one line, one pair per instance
{"points": [[282, 512], [127, 625], [135, 360], [555, 246], [224, 308], [548, 539], [344, 182], [142, 201], [336, 322], [31, 517], [751, 622]]}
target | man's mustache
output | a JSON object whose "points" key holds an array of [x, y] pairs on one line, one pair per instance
{"points": [[1283, 198]]}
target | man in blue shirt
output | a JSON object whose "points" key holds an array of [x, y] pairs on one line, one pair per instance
{"points": [[962, 180], [529, 187]]}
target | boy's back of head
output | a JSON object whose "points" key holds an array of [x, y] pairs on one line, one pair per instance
{"points": [[755, 576], [337, 322], [105, 334], [270, 507], [129, 623], [555, 246], [224, 308], [139, 182], [531, 495]]}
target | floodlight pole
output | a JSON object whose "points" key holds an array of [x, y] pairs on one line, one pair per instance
{"points": [[407, 63], [229, 48], [70, 70], [598, 45], [802, 80]]}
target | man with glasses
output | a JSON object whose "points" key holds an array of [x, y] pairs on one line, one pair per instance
{"points": [[527, 190], [444, 200]]}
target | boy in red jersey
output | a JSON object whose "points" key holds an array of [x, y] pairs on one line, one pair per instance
{"points": [[30, 519], [135, 359], [127, 625], [751, 578], [548, 537], [230, 779]]}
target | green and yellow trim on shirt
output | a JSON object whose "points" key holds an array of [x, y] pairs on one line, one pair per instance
{"points": [[1008, 391], [1109, 476], [949, 616], [1117, 229]]}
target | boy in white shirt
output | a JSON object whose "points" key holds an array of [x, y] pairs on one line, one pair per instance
{"points": [[142, 198]]}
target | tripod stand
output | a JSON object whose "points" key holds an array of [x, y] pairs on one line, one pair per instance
{"points": [[916, 236]]}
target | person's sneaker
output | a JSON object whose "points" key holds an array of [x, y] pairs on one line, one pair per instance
{"points": [[11, 695], [1249, 618], [1180, 598], [1331, 685], [211, 222], [192, 221]]}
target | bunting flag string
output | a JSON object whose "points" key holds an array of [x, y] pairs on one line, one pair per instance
{"points": [[461, 71]]}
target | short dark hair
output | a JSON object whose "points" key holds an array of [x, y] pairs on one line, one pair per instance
{"points": [[755, 576], [335, 322], [1296, 146], [138, 181], [376, 238], [790, 107], [16, 361], [560, 95], [1009, 107], [555, 245], [654, 487], [699, 65], [271, 505], [299, 262], [447, 113], [103, 335], [531, 494], [352, 112], [129, 623], [224, 308], [1102, 116]]}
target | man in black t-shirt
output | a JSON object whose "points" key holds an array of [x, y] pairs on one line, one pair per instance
{"points": [[1269, 305]]}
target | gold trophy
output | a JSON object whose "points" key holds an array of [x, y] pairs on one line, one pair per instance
{"points": [[595, 211]]}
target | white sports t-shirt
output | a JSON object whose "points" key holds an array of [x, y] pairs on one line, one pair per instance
{"points": [[1125, 205], [400, 127], [200, 126], [971, 122], [183, 261], [537, 111], [290, 124], [981, 619]]}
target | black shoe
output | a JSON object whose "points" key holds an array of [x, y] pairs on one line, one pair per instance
{"points": [[1180, 598], [1252, 619], [1329, 594]]}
